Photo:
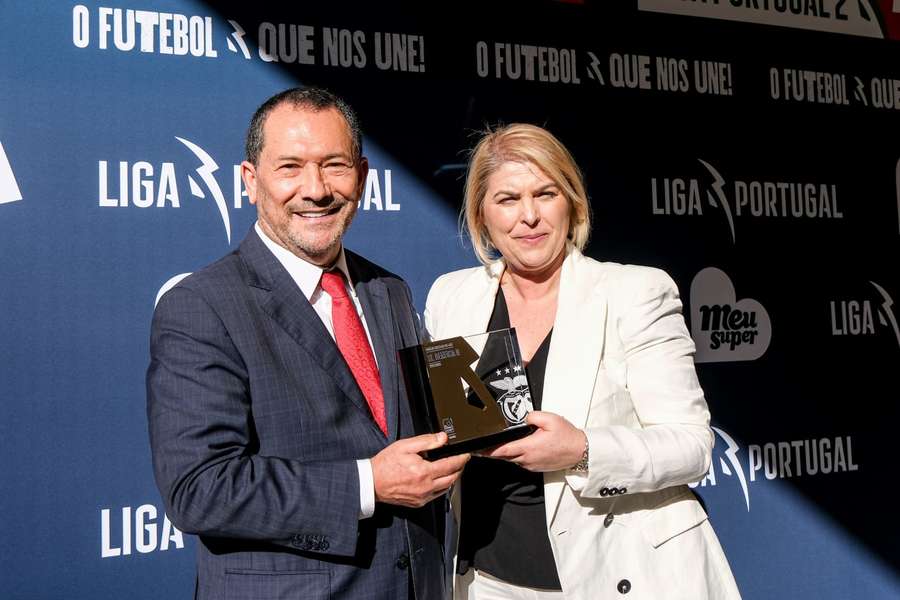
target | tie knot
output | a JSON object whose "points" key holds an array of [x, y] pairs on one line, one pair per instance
{"points": [[333, 283]]}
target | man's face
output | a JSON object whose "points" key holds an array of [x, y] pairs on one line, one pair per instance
{"points": [[307, 182]]}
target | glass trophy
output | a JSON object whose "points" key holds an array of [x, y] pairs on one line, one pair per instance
{"points": [[473, 388]]}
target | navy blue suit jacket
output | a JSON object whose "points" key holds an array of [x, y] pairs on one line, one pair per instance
{"points": [[256, 424]]}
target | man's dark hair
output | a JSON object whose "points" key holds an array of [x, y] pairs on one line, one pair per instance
{"points": [[312, 98]]}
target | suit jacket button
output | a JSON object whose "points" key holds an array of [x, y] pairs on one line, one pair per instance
{"points": [[624, 586], [622, 491], [324, 545], [604, 491], [403, 562], [608, 520]]}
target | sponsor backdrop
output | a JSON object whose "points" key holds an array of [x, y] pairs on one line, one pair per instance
{"points": [[749, 148]]}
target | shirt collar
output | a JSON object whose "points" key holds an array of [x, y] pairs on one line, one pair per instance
{"points": [[305, 274]]}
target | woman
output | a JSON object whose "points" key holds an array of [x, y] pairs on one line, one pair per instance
{"points": [[594, 503]]}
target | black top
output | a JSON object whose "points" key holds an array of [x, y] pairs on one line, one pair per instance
{"points": [[504, 526]]}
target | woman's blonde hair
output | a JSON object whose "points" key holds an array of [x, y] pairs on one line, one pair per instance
{"points": [[520, 142]]}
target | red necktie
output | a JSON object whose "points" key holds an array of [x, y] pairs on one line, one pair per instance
{"points": [[354, 345]]}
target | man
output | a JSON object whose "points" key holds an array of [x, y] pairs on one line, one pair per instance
{"points": [[276, 431]]}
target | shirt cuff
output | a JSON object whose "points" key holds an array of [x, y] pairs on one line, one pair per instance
{"points": [[366, 489]]}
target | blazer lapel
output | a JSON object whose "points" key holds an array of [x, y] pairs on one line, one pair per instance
{"points": [[576, 350], [376, 304], [286, 305], [476, 307]]}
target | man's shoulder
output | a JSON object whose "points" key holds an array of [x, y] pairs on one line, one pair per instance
{"points": [[366, 269], [226, 269], [211, 282]]}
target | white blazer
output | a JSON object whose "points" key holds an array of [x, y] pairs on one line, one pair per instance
{"points": [[621, 368]]}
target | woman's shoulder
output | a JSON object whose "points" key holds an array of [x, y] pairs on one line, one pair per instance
{"points": [[617, 277], [454, 297], [452, 282]]}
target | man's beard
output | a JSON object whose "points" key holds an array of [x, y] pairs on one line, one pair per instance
{"points": [[307, 242]]}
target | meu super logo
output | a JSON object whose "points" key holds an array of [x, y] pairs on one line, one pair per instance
{"points": [[724, 328]]}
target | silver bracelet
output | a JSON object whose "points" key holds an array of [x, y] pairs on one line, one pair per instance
{"points": [[582, 465]]}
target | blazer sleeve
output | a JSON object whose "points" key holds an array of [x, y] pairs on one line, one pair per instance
{"points": [[205, 451], [671, 443], [434, 305]]}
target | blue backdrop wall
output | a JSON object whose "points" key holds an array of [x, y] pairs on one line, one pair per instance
{"points": [[748, 148]]}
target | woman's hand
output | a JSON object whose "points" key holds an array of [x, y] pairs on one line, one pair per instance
{"points": [[556, 445]]}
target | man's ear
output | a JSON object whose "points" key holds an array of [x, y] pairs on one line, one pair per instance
{"points": [[248, 174], [362, 170]]}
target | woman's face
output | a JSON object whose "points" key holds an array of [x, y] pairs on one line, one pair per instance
{"points": [[527, 218]]}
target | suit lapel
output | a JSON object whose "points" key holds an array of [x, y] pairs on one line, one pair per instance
{"points": [[576, 350], [376, 305], [286, 305]]}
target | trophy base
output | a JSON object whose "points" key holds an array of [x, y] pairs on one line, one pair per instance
{"points": [[479, 443]]}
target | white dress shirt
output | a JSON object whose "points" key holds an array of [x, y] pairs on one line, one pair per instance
{"points": [[307, 277]]}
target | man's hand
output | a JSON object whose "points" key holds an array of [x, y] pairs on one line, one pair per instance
{"points": [[556, 445], [403, 477]]}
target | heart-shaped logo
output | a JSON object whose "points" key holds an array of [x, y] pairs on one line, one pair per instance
{"points": [[726, 329]]}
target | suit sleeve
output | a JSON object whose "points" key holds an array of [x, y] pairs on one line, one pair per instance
{"points": [[205, 452], [672, 443]]}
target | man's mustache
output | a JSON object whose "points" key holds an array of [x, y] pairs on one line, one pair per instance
{"points": [[331, 202]]}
